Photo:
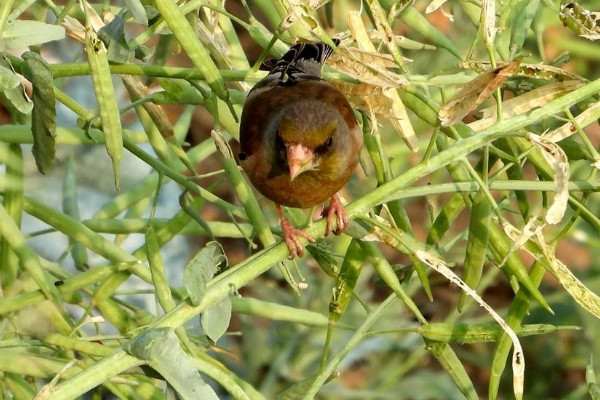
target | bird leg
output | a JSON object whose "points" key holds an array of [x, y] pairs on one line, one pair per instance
{"points": [[290, 235], [336, 208]]}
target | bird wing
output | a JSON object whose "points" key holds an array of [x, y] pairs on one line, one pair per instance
{"points": [[301, 59]]}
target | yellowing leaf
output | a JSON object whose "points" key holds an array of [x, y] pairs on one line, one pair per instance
{"points": [[366, 66], [474, 93], [434, 5], [556, 157], [525, 103], [75, 29], [586, 117], [581, 21], [488, 20], [400, 119], [518, 360]]}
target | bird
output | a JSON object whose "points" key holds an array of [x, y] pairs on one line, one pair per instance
{"points": [[300, 141]]}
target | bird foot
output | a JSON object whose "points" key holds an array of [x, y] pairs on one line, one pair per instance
{"points": [[290, 236], [335, 208]]}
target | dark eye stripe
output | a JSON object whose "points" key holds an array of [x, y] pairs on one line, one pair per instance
{"points": [[325, 146]]}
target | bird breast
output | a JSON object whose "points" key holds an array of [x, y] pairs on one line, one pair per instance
{"points": [[307, 104]]}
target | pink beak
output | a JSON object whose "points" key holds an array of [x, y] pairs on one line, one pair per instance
{"points": [[300, 159]]}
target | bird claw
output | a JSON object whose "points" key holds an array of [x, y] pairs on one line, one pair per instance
{"points": [[290, 236], [336, 208]]}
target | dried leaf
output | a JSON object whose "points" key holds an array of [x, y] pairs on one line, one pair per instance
{"points": [[401, 41], [556, 157], [434, 5], [533, 227], [137, 90], [384, 30], [367, 66], [92, 16], [300, 12], [586, 117], [581, 21], [367, 98], [474, 93], [488, 20], [74, 28], [525, 103], [535, 71], [316, 4], [586, 298], [447, 14], [518, 360], [400, 119], [546, 72]]}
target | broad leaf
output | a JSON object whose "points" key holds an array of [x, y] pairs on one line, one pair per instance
{"points": [[137, 10], [160, 348], [43, 124], [8, 79], [215, 319], [19, 34], [14, 99], [201, 269]]}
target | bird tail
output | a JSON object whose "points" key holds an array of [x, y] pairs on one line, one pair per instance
{"points": [[301, 58]]}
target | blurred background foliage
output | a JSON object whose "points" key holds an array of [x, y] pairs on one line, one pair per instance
{"points": [[112, 249]]}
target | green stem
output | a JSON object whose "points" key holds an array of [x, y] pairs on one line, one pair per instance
{"points": [[252, 267], [5, 7], [360, 333]]}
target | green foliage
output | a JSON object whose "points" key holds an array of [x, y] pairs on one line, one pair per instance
{"points": [[498, 189], [43, 116]]}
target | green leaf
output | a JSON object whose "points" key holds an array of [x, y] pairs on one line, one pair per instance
{"points": [[43, 124], [450, 362], [113, 35], [295, 391], [215, 319], [71, 208], [8, 79], [20, 34], [590, 377], [201, 269], [324, 256], [161, 349], [14, 99], [137, 10]]}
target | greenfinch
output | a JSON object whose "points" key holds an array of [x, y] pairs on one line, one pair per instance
{"points": [[300, 140]]}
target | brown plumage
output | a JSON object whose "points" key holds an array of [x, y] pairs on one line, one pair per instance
{"points": [[300, 141]]}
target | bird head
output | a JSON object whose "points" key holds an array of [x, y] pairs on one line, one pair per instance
{"points": [[308, 137]]}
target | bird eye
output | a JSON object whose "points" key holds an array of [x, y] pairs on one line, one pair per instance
{"points": [[325, 146]]}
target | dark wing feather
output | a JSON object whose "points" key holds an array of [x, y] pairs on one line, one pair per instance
{"points": [[301, 59]]}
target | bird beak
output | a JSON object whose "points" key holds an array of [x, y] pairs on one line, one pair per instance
{"points": [[300, 159]]}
